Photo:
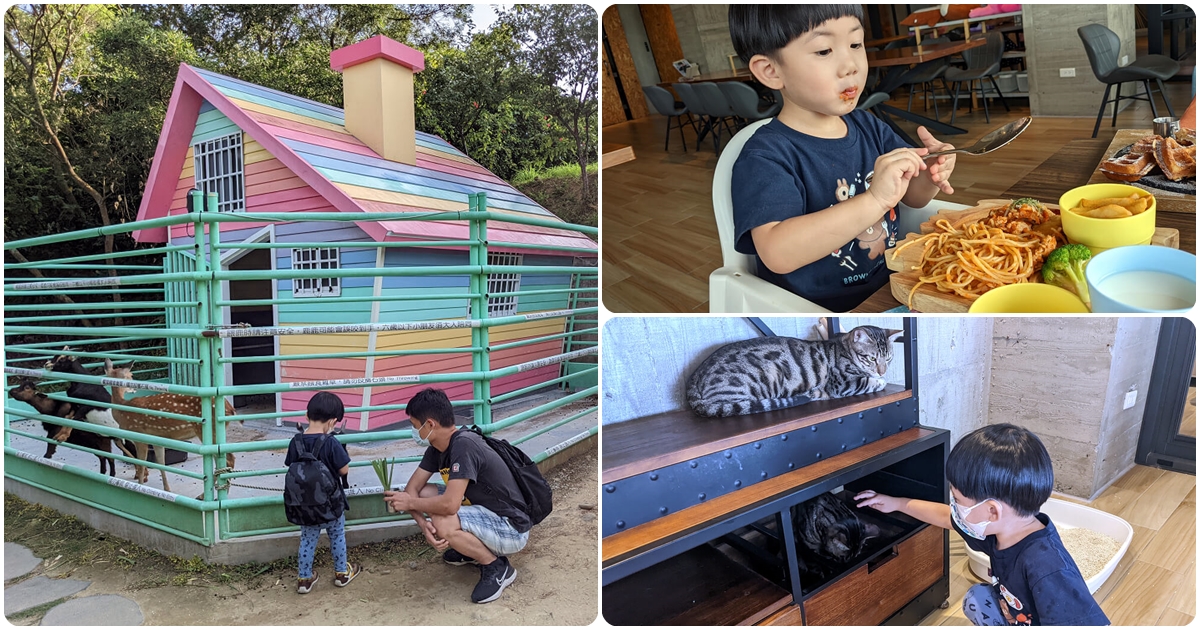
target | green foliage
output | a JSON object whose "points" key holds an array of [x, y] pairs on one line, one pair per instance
{"points": [[103, 75]]}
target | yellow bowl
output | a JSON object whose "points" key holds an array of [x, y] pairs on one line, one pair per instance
{"points": [[1028, 297], [1102, 234]]}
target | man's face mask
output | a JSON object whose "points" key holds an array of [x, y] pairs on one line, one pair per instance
{"points": [[959, 515], [423, 442]]}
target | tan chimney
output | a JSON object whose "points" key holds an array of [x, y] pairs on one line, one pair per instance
{"points": [[377, 89]]}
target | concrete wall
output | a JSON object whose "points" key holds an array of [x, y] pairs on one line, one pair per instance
{"points": [[647, 360], [954, 359], [1051, 43], [1065, 380], [704, 35]]}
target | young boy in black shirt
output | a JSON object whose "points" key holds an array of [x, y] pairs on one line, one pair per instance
{"points": [[1000, 475]]}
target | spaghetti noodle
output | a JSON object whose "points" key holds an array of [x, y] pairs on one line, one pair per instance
{"points": [[977, 258]]}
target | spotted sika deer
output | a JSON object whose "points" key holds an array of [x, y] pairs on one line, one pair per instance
{"points": [[155, 425]]}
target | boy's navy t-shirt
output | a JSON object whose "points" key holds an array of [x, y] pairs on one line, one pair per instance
{"points": [[333, 454], [782, 173], [1036, 582]]}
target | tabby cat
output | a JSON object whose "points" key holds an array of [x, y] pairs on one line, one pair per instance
{"points": [[829, 531], [776, 372]]}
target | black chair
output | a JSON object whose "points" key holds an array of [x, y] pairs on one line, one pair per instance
{"points": [[923, 75], [746, 105], [1103, 49], [983, 62], [674, 110], [718, 110]]}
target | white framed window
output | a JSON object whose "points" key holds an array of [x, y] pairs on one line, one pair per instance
{"points": [[503, 283], [219, 169], [316, 259]]}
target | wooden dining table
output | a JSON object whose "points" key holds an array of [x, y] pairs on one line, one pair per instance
{"points": [[1070, 167], [741, 74]]}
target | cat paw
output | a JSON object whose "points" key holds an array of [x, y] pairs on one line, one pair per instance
{"points": [[877, 384]]}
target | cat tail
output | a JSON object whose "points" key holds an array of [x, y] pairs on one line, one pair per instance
{"points": [[778, 403]]}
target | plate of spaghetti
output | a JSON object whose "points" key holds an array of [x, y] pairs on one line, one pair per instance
{"points": [[961, 255]]}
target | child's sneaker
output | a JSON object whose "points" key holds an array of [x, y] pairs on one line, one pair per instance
{"points": [[351, 572], [454, 558], [492, 580], [304, 585]]}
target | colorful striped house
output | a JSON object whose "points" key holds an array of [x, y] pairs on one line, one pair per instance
{"points": [[263, 150]]}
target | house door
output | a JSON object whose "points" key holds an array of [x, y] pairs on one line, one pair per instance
{"points": [[253, 314]]}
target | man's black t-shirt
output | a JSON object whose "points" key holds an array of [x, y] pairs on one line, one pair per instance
{"points": [[469, 457], [1036, 582]]}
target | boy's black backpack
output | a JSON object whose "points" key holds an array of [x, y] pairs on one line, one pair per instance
{"points": [[534, 489], [312, 494]]}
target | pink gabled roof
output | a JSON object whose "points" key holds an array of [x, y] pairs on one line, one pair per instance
{"points": [[314, 145]]}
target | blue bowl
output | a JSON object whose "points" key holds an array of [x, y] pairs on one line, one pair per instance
{"points": [[1142, 279]]}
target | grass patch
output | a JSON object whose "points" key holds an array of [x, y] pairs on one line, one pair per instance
{"points": [[36, 611], [49, 534], [528, 175]]}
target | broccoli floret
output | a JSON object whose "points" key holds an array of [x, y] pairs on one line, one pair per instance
{"points": [[1064, 268]]}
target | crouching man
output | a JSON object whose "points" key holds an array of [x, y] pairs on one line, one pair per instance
{"points": [[480, 518]]}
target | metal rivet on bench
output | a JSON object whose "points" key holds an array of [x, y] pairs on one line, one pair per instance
{"points": [[839, 420], [693, 464], [737, 484], [860, 415], [653, 476], [818, 456], [843, 447], [791, 466], [764, 474], [783, 439], [813, 428], [610, 489], [757, 445], [662, 510], [703, 496], [728, 454], [620, 524]]}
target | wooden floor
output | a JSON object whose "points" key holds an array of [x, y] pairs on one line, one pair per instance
{"points": [[660, 241], [1155, 582]]}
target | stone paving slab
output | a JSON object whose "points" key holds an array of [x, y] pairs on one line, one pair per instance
{"points": [[97, 610], [18, 561], [37, 591]]}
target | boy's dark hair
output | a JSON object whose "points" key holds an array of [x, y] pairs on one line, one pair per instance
{"points": [[431, 404], [324, 406], [1003, 462], [762, 29]]}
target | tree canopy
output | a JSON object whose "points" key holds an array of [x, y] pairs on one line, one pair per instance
{"points": [[86, 88]]}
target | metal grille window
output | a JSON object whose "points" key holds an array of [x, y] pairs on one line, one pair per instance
{"points": [[503, 283], [324, 258], [219, 169]]}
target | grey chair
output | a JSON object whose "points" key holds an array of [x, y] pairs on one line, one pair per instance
{"points": [[745, 103], [1103, 49], [983, 62], [924, 74], [718, 111], [666, 105]]}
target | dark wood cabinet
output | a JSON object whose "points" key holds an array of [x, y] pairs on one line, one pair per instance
{"points": [[698, 518]]}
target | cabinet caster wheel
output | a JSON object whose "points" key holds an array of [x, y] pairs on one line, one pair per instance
{"points": [[944, 605]]}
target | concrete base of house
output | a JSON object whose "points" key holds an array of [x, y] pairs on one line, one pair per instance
{"points": [[263, 548]]}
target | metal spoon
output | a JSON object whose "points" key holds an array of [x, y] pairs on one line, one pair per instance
{"points": [[991, 141]]}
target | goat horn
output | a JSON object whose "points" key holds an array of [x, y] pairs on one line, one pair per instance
{"points": [[108, 365]]}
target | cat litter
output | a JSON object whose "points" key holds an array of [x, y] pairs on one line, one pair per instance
{"points": [[1090, 550]]}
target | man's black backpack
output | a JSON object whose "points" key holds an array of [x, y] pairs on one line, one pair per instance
{"points": [[534, 489], [312, 494]]}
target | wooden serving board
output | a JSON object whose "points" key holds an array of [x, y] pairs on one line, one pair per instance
{"points": [[1165, 201], [928, 299]]}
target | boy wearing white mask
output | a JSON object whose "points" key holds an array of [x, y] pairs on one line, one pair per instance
{"points": [[1000, 475], [479, 517]]}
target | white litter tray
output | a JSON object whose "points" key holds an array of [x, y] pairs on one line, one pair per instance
{"points": [[1067, 515]]}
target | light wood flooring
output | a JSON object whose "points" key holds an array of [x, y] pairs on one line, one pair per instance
{"points": [[1155, 582], [660, 242]]}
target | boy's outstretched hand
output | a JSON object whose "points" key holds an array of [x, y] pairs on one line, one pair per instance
{"points": [[943, 165], [881, 502]]}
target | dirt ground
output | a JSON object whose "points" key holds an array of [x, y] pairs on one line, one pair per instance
{"points": [[405, 582]]}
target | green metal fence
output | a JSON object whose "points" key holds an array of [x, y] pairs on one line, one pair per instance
{"points": [[163, 307]]}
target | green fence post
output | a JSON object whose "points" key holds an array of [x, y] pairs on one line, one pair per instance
{"points": [[204, 344], [480, 360]]}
